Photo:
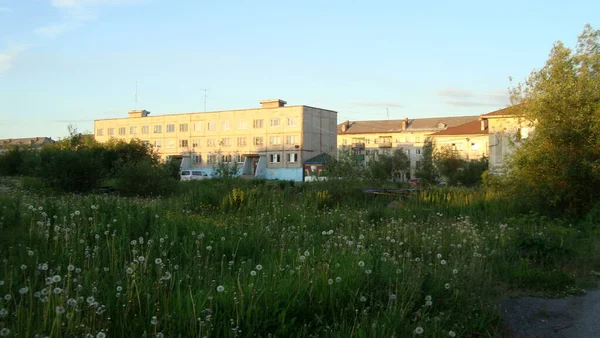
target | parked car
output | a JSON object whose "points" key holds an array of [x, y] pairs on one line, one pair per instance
{"points": [[193, 174], [414, 182]]}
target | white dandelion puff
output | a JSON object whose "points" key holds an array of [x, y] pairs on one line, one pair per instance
{"points": [[419, 330], [220, 288]]}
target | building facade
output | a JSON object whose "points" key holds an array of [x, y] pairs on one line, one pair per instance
{"points": [[368, 139], [269, 142], [507, 130], [469, 140], [31, 142]]}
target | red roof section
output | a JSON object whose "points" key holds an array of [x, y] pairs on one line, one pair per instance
{"points": [[505, 112], [471, 128]]}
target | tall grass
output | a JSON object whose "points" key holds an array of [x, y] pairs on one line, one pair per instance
{"points": [[254, 258]]}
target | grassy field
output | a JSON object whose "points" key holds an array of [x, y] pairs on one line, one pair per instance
{"points": [[274, 259]]}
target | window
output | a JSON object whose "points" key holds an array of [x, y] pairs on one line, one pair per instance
{"points": [[100, 132], [132, 130], [170, 128], [226, 142], [406, 139], [197, 158], [292, 121], [122, 131], [241, 141], [418, 151], [524, 133], [292, 157], [211, 159], [275, 122], [145, 129], [183, 143], [183, 127], [158, 143], [211, 142], [345, 141], [198, 126], [242, 125], [240, 158], [474, 146], [195, 143], [157, 129], [111, 131], [226, 158], [258, 141], [459, 147], [275, 158], [171, 143], [257, 124], [226, 125], [417, 139], [275, 140], [407, 151], [290, 139], [212, 125]]}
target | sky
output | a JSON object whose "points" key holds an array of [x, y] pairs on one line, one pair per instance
{"points": [[73, 61]]}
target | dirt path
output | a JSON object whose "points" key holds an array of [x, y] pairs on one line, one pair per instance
{"points": [[572, 317]]}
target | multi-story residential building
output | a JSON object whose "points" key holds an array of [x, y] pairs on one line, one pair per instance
{"points": [[367, 139], [270, 142], [507, 129], [469, 140], [32, 142]]}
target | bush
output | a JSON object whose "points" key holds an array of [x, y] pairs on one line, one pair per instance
{"points": [[72, 170], [144, 178]]}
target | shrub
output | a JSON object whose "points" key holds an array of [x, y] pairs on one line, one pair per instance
{"points": [[144, 178]]}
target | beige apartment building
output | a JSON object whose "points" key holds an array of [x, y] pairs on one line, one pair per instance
{"points": [[507, 130], [269, 142], [367, 139]]}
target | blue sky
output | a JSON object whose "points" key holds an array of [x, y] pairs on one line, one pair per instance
{"points": [[73, 61]]}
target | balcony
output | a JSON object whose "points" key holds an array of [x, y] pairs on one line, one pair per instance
{"points": [[358, 146], [385, 144]]}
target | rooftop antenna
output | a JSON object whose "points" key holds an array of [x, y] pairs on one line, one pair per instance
{"points": [[204, 99], [388, 112]]}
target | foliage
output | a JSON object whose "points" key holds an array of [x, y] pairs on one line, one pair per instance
{"points": [[72, 170], [348, 166], [144, 178], [559, 167], [12, 161], [389, 167], [225, 170], [426, 169], [458, 171]]}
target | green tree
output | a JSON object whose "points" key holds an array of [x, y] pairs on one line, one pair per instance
{"points": [[385, 167], [559, 166], [448, 162], [426, 169]]}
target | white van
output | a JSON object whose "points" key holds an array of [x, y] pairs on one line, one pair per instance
{"points": [[193, 174]]}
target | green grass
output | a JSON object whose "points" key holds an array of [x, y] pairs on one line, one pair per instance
{"points": [[291, 260]]}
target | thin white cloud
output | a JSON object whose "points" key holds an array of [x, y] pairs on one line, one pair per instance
{"points": [[379, 104], [8, 56], [466, 98], [54, 30], [5, 10]]}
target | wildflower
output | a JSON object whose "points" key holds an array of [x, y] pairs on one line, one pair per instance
{"points": [[368, 271], [167, 276], [4, 332], [252, 273], [428, 297], [7, 297], [447, 286], [30, 253], [56, 279], [439, 256], [71, 302], [23, 290], [220, 288], [419, 330], [142, 259], [3, 313], [119, 288], [455, 271], [302, 258], [129, 271], [1, 282], [428, 303], [330, 281], [209, 248], [101, 335], [363, 299], [338, 279], [443, 262], [90, 300], [70, 267], [361, 264], [160, 335], [154, 320], [452, 333], [23, 267], [259, 267], [392, 297], [59, 310]]}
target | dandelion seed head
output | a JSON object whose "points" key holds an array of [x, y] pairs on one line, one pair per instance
{"points": [[4, 332], [59, 310], [23, 290], [259, 267], [252, 273], [220, 288], [361, 264], [153, 320], [158, 261], [451, 333], [330, 281], [419, 330], [56, 279]]}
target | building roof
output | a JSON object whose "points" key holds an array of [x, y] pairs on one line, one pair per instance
{"points": [[322, 158], [28, 141], [511, 111], [470, 128], [431, 124]]}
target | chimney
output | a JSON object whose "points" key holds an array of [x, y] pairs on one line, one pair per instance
{"points": [[484, 124], [138, 113], [272, 103], [405, 123], [345, 126]]}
